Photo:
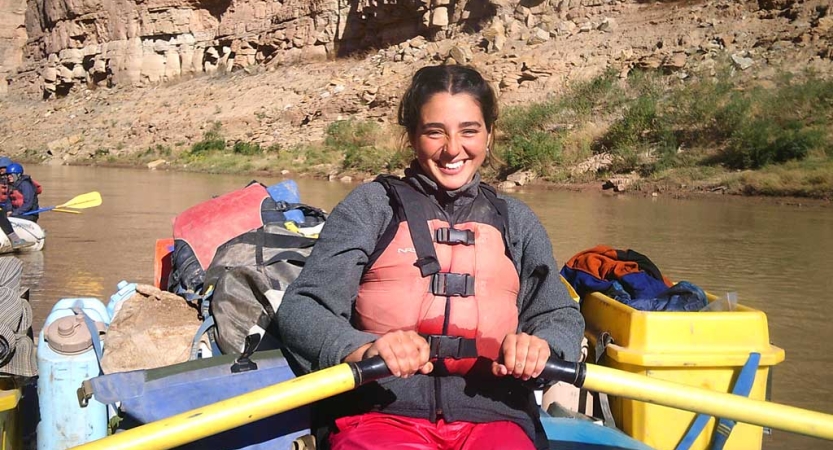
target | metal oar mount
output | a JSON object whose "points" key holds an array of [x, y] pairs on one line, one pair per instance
{"points": [[237, 411]]}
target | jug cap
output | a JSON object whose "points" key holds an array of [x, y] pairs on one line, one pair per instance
{"points": [[69, 335]]}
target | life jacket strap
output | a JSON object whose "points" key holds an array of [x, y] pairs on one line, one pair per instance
{"points": [[453, 236], [454, 347], [452, 284]]}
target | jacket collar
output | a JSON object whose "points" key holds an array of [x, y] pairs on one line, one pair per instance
{"points": [[416, 177]]}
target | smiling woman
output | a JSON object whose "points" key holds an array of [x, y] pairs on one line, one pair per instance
{"points": [[449, 116], [454, 286]]}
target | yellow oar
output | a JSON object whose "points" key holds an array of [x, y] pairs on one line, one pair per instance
{"points": [[234, 412], [83, 201], [237, 411], [71, 211]]}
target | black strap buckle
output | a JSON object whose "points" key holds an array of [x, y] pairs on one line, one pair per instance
{"points": [[243, 362], [454, 347], [453, 236], [452, 284]]}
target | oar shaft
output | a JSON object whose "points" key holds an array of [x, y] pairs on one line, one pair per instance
{"points": [[232, 413], [718, 404]]}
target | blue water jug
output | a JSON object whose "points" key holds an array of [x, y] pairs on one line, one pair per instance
{"points": [[287, 191], [125, 291], [67, 357]]}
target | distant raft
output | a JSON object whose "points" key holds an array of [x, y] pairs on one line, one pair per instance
{"points": [[28, 231]]}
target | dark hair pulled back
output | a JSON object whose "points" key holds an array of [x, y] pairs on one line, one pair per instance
{"points": [[454, 79]]}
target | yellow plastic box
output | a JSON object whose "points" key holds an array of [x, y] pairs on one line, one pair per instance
{"points": [[704, 349], [10, 438]]}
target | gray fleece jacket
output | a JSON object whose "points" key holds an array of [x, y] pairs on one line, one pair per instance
{"points": [[315, 315]]}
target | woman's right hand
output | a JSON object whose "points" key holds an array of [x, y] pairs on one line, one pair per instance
{"points": [[404, 352]]}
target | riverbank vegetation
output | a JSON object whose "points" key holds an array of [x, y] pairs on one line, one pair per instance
{"points": [[706, 132]]}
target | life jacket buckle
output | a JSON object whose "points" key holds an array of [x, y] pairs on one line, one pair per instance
{"points": [[452, 284], [455, 347], [454, 236]]}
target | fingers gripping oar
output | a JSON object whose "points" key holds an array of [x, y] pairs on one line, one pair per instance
{"points": [[237, 411], [83, 201]]}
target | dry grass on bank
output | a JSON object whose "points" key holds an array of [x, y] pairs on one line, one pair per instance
{"points": [[707, 131]]}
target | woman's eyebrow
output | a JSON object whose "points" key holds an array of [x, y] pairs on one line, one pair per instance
{"points": [[442, 125]]}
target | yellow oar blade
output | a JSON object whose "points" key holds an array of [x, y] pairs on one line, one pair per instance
{"points": [[71, 211], [88, 200]]}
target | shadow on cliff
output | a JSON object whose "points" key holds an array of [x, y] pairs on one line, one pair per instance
{"points": [[215, 7], [382, 24]]}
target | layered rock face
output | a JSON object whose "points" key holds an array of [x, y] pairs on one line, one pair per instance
{"points": [[106, 42], [12, 38]]}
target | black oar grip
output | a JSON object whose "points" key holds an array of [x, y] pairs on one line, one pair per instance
{"points": [[556, 370], [368, 370], [559, 370]]}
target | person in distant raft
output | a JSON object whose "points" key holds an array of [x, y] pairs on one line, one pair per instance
{"points": [[454, 285], [23, 193], [5, 224]]}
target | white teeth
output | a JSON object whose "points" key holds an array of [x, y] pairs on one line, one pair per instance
{"points": [[455, 165]]}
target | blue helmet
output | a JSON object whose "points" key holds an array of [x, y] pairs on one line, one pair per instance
{"points": [[14, 168], [5, 161]]}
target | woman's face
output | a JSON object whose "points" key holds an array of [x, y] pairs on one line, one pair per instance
{"points": [[451, 139]]}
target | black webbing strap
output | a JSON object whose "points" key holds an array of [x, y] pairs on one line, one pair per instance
{"points": [[454, 347], [602, 341], [503, 211], [418, 227], [452, 284]]}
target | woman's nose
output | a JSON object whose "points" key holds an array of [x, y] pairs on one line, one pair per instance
{"points": [[453, 147]]}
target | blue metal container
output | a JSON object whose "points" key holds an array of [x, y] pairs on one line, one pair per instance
{"points": [[66, 358], [125, 291]]}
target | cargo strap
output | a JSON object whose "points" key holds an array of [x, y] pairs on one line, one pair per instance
{"points": [[743, 386], [95, 332], [602, 341]]}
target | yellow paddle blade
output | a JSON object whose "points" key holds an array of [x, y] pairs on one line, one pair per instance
{"points": [[82, 201], [71, 211]]}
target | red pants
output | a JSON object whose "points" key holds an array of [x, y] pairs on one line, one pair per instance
{"points": [[373, 431]]}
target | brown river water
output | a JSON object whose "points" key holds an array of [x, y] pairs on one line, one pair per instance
{"points": [[776, 257]]}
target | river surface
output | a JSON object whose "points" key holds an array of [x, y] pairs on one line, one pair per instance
{"points": [[776, 257]]}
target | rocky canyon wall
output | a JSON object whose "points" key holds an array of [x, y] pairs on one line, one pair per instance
{"points": [[71, 43], [12, 38], [106, 42]]}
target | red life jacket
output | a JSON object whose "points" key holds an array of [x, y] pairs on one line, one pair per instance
{"points": [[16, 195], [210, 224], [454, 283]]}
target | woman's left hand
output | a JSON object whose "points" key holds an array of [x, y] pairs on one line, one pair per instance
{"points": [[522, 356]]}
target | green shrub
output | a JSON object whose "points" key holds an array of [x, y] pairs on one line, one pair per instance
{"points": [[759, 143], [247, 148], [536, 150], [366, 159], [601, 92], [521, 120], [350, 133], [211, 141]]}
